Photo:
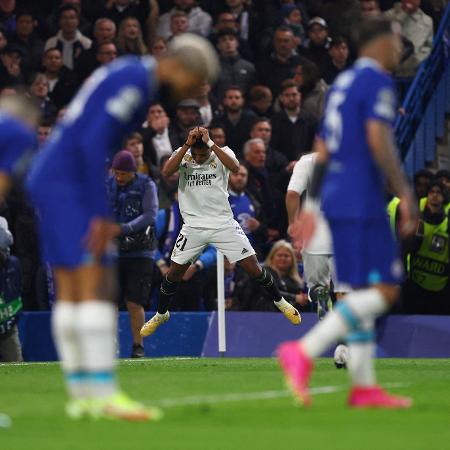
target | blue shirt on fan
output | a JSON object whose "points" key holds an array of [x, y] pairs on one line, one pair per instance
{"points": [[353, 186]]}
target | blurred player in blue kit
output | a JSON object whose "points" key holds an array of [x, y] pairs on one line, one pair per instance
{"points": [[356, 154], [67, 186]]}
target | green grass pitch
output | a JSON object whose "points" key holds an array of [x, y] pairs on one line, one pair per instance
{"points": [[230, 404]]}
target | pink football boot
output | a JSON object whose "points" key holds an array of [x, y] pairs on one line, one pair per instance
{"points": [[297, 369]]}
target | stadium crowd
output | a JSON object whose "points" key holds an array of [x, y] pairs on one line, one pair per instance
{"points": [[277, 60]]}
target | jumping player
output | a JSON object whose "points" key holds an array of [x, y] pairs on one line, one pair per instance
{"points": [[67, 185], [356, 152], [203, 197]]}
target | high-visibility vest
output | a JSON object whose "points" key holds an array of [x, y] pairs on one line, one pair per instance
{"points": [[429, 266]]}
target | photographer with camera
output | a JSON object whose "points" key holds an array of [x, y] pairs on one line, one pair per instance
{"points": [[10, 298], [134, 201]]}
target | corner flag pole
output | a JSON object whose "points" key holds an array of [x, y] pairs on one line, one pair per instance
{"points": [[221, 304]]}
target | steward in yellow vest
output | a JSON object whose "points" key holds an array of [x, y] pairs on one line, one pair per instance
{"points": [[426, 291]]}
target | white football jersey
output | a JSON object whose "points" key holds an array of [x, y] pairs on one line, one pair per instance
{"points": [[321, 243], [203, 191]]}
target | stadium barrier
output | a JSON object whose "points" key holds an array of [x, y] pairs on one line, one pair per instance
{"points": [[426, 104], [249, 334]]}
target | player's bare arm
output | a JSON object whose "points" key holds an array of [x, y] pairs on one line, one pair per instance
{"points": [[227, 161], [381, 142], [173, 163]]}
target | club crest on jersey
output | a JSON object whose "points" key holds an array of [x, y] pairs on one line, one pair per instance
{"points": [[213, 165]]}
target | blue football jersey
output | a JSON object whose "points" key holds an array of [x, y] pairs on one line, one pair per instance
{"points": [[354, 186], [17, 143], [112, 102]]}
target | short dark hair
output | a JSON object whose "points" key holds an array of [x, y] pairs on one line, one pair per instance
{"points": [[199, 144], [25, 12], [423, 173], [233, 87], [67, 7], [338, 40], [258, 92], [371, 29], [259, 120], [284, 29], [287, 84], [442, 173]]}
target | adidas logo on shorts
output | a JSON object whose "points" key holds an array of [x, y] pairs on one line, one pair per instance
{"points": [[244, 251]]}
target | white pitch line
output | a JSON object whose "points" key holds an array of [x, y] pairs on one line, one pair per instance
{"points": [[194, 400], [239, 397]]}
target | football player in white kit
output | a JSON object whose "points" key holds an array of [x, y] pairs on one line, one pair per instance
{"points": [[318, 255], [203, 198]]}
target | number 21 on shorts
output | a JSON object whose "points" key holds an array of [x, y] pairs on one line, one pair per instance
{"points": [[181, 242]]}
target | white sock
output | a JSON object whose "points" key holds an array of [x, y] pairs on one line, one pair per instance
{"points": [[68, 346], [360, 363], [97, 322], [353, 308]]}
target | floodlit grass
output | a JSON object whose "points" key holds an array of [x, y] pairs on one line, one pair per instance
{"points": [[230, 404]]}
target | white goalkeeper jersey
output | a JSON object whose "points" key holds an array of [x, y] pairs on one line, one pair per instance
{"points": [[321, 243], [203, 191]]}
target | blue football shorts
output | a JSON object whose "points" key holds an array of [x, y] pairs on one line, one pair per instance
{"points": [[365, 252]]}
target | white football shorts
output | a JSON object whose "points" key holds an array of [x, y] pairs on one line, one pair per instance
{"points": [[320, 270], [230, 239]]}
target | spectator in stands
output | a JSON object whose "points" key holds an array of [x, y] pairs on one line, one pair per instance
{"points": [[313, 89], [293, 129], [61, 80], [278, 166], [129, 37], [318, 43], [234, 70], [246, 210], [39, 92], [118, 10], [426, 291], [236, 121], [167, 186], [282, 264], [369, 8], [208, 104], [443, 176], [242, 15], [159, 140], [28, 41], [179, 24], [199, 21], [88, 61], [134, 201], [7, 16], [187, 116], [291, 16], [217, 133], [133, 144], [44, 129], [279, 66], [106, 53], [10, 298], [226, 21], [158, 47], [10, 69], [418, 28], [69, 39], [260, 100], [259, 187], [190, 290], [338, 60], [3, 39], [422, 180]]}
